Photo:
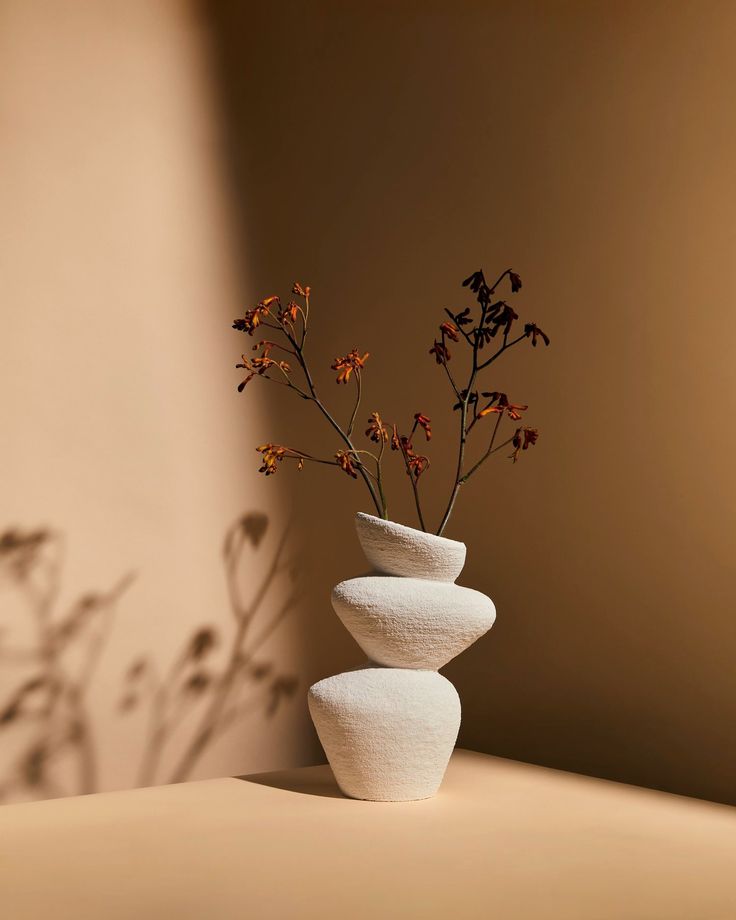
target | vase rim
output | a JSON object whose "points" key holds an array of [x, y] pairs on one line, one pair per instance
{"points": [[383, 523]]}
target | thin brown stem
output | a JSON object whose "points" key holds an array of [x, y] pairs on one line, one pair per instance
{"points": [[474, 420], [488, 453], [459, 327], [414, 486], [499, 279], [379, 479], [452, 382], [359, 393], [290, 385], [506, 345], [459, 468], [294, 454], [464, 402], [305, 319], [283, 348]]}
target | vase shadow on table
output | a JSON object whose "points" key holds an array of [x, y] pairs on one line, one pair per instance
{"points": [[317, 780]]}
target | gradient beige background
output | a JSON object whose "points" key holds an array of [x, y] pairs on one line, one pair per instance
{"points": [[167, 165]]}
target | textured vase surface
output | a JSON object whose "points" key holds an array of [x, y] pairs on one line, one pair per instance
{"points": [[389, 727]]}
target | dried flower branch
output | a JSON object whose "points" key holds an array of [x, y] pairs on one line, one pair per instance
{"points": [[495, 317], [292, 324], [492, 321]]}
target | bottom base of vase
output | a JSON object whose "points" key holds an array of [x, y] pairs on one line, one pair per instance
{"points": [[387, 732]]}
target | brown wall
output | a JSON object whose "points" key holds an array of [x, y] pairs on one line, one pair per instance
{"points": [[381, 152]]}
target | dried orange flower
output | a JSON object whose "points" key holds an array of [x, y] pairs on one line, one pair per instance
{"points": [[267, 347], [450, 330], [440, 351], [502, 405], [289, 313], [254, 317], [504, 319], [261, 364], [522, 440], [376, 430], [248, 323], [345, 462], [272, 455], [425, 424], [533, 330], [300, 290], [352, 361], [417, 464]]}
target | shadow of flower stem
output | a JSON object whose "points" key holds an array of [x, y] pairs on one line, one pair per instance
{"points": [[53, 698], [171, 697]]}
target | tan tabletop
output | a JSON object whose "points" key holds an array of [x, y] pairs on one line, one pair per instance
{"points": [[502, 840]]}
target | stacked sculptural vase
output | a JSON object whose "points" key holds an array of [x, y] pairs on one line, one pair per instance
{"points": [[389, 727]]}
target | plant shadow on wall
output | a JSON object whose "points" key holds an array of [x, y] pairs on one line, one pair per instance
{"points": [[52, 746], [46, 729], [242, 683]]}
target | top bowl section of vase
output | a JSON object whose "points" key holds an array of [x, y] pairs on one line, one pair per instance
{"points": [[393, 549]]}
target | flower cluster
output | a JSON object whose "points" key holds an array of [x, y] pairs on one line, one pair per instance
{"points": [[531, 329], [415, 463], [497, 316], [262, 363], [499, 402], [273, 454], [523, 438], [253, 318], [353, 361], [376, 430], [346, 463]]}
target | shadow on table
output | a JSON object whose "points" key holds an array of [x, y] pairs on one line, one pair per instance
{"points": [[309, 781]]}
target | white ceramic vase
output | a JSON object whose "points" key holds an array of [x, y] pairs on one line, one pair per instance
{"points": [[388, 728]]}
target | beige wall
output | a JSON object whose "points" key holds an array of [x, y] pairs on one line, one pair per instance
{"points": [[161, 168], [121, 430], [384, 151]]}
